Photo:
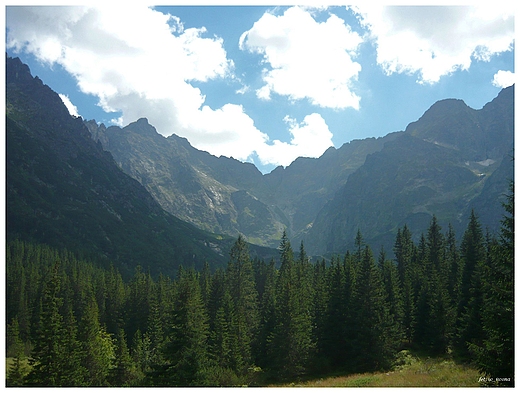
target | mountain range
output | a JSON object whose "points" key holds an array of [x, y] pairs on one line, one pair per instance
{"points": [[135, 197], [453, 159]]}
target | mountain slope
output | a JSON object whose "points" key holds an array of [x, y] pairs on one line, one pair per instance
{"points": [[195, 186], [227, 196], [451, 160], [65, 191]]}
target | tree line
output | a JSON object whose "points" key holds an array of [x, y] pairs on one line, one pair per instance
{"points": [[72, 323]]}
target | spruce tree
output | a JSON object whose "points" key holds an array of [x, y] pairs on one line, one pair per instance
{"points": [[292, 341], [404, 251], [98, 348], [393, 295], [495, 355], [454, 279], [48, 356], [334, 342], [264, 349], [319, 315], [438, 273], [185, 352], [125, 372], [375, 343], [242, 290], [15, 349], [469, 321]]}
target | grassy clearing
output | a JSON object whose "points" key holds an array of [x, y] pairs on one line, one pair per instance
{"points": [[416, 372]]}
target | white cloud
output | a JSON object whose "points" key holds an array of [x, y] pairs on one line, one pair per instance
{"points": [[307, 59], [73, 110], [504, 79], [434, 41], [140, 61], [310, 138]]}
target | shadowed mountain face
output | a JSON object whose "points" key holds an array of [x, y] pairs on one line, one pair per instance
{"points": [[452, 160], [65, 191]]}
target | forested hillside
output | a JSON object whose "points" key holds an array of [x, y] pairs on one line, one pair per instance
{"points": [[251, 323]]}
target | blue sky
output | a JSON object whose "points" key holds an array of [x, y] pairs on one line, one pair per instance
{"points": [[266, 84]]}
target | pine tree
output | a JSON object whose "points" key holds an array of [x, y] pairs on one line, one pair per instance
{"points": [[404, 251], [98, 346], [154, 333], [334, 343], [15, 349], [495, 355], [48, 356], [437, 272], [319, 315], [304, 307], [242, 290], [375, 342], [454, 279], [221, 344], [185, 352], [137, 308], [421, 290], [393, 295], [292, 341], [124, 372], [72, 372], [115, 301], [265, 350], [469, 322], [140, 354], [205, 284]]}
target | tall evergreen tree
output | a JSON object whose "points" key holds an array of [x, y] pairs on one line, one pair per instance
{"points": [[15, 349], [469, 321], [375, 343], [393, 295], [495, 355], [404, 250], [292, 341], [437, 274], [125, 372], [454, 274], [242, 290], [319, 315], [334, 343], [265, 350], [48, 356], [97, 346], [185, 352]]}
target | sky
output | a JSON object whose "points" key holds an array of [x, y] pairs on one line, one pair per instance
{"points": [[265, 84]]}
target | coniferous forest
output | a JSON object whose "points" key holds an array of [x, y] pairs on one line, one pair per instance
{"points": [[74, 323]]}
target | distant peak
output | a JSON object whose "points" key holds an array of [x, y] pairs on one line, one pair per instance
{"points": [[142, 126]]}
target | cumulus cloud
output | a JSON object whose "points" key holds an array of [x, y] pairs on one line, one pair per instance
{"points": [[310, 138], [142, 63], [434, 41], [73, 110], [504, 79], [306, 59]]}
